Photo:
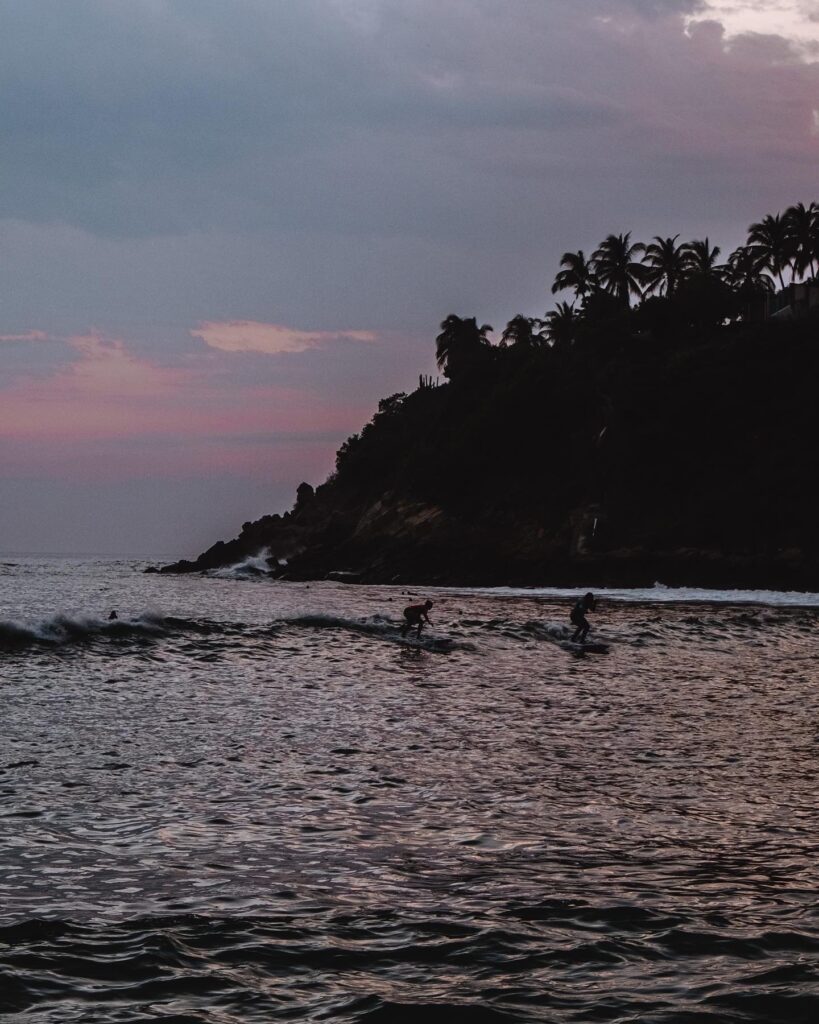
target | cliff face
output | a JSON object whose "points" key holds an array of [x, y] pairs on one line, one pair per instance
{"points": [[687, 460]]}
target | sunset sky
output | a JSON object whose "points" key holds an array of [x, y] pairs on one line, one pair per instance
{"points": [[228, 229]]}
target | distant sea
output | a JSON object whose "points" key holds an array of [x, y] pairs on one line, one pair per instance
{"points": [[245, 800]]}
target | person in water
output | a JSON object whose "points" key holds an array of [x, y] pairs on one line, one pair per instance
{"points": [[416, 615], [578, 617]]}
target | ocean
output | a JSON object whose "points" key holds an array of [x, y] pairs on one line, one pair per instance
{"points": [[247, 800]]}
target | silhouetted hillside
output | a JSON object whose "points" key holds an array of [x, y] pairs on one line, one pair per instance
{"points": [[650, 447]]}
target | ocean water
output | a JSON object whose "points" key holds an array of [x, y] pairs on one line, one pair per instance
{"points": [[251, 801]]}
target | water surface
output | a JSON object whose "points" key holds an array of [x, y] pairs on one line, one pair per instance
{"points": [[250, 801]]}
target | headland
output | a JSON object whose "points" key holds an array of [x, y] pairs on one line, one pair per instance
{"points": [[637, 453]]}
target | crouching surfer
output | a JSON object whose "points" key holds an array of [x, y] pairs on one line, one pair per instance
{"points": [[416, 615], [578, 617]]}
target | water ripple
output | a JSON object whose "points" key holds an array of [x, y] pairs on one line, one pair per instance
{"points": [[260, 803]]}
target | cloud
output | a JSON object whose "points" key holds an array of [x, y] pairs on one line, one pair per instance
{"points": [[152, 118], [793, 21], [253, 165], [328, 124], [108, 369], [272, 339], [25, 336], [103, 391], [651, 9], [107, 393]]}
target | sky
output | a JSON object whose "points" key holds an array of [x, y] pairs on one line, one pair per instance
{"points": [[227, 230]]}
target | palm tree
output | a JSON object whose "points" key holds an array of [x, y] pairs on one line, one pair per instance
{"points": [[803, 230], [771, 241], [460, 344], [561, 323], [617, 267], [702, 259], [749, 279], [667, 263], [578, 274], [520, 331], [745, 273]]}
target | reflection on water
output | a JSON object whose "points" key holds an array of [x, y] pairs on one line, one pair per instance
{"points": [[251, 801]]}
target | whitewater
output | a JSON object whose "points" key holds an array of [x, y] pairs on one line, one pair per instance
{"points": [[248, 800]]}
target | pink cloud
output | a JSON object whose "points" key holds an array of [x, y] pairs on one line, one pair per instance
{"points": [[106, 391], [27, 336], [109, 394], [107, 368], [273, 339]]}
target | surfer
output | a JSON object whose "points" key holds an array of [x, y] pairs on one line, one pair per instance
{"points": [[578, 617], [416, 615]]}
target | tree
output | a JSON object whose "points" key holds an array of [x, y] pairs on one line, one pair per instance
{"points": [[460, 345], [618, 268], [702, 259], [750, 280], [347, 450], [771, 240], [577, 274], [561, 324], [746, 274], [392, 404], [520, 332], [704, 298], [802, 225], [667, 263]]}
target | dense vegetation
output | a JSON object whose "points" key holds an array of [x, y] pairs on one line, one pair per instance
{"points": [[683, 284], [669, 437], [677, 286]]}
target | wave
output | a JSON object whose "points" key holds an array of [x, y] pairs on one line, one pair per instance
{"points": [[380, 626], [253, 565], [658, 594], [64, 630]]}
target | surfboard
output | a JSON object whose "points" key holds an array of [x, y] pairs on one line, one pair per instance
{"points": [[590, 647], [428, 643]]}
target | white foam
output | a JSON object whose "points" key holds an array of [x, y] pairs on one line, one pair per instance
{"points": [[65, 629], [658, 594], [253, 565]]}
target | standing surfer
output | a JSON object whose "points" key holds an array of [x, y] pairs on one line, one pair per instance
{"points": [[578, 617], [416, 615]]}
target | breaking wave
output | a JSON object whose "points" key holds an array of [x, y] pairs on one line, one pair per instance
{"points": [[253, 565], [64, 630]]}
